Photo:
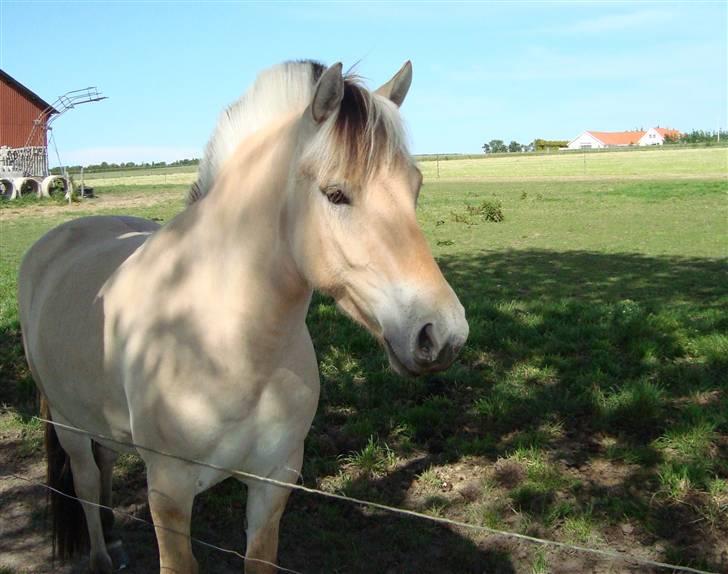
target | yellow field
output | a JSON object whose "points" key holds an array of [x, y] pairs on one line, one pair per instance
{"points": [[704, 163], [664, 163], [179, 178]]}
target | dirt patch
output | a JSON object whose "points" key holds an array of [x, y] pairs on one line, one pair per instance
{"points": [[91, 205], [25, 545], [310, 523]]}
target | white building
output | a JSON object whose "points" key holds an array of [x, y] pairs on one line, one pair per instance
{"points": [[594, 140]]}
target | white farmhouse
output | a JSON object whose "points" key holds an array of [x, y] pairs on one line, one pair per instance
{"points": [[595, 140], [656, 136]]}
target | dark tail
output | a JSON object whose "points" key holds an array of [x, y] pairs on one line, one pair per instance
{"points": [[70, 535]]}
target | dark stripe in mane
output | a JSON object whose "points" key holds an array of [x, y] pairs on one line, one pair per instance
{"points": [[318, 70], [363, 138], [350, 129]]}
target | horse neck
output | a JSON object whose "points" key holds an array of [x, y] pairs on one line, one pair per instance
{"points": [[239, 235]]}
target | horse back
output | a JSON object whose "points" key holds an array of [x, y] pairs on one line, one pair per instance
{"points": [[60, 283]]}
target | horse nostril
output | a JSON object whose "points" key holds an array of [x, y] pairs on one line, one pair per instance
{"points": [[426, 347]]}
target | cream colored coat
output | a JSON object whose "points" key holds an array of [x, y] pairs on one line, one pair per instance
{"points": [[191, 338]]}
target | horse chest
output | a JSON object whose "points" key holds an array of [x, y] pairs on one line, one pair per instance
{"points": [[241, 413]]}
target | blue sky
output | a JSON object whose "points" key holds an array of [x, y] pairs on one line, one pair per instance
{"points": [[482, 70]]}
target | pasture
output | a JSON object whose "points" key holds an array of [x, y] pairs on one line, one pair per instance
{"points": [[590, 405]]}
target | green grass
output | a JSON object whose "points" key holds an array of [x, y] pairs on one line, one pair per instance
{"points": [[373, 460], [596, 365], [32, 199], [634, 217], [540, 563]]}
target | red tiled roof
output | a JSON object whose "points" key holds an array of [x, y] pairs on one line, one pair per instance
{"points": [[618, 138], [632, 137]]}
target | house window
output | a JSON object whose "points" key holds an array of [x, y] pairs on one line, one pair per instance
{"points": [[586, 146]]}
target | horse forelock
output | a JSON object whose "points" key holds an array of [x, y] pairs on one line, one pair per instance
{"points": [[364, 135]]}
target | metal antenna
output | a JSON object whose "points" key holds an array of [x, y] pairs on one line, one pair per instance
{"points": [[63, 103]]}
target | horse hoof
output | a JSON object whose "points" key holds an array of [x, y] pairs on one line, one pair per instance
{"points": [[100, 564], [118, 555]]}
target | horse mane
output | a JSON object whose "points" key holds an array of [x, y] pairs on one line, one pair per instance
{"points": [[365, 133]]}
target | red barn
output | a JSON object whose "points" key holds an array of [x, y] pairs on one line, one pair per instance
{"points": [[19, 109], [24, 118]]}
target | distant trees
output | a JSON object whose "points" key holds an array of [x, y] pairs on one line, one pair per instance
{"points": [[499, 146], [514, 146], [698, 136], [105, 166], [495, 146]]}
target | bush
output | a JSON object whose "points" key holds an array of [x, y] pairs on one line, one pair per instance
{"points": [[486, 211]]}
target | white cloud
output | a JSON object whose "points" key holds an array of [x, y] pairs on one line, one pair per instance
{"points": [[657, 64], [617, 22], [119, 154]]}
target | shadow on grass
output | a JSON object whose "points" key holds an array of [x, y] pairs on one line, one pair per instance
{"points": [[586, 356], [566, 350], [17, 389]]}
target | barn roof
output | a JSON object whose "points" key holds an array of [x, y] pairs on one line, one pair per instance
{"points": [[629, 137], [29, 94], [618, 138]]}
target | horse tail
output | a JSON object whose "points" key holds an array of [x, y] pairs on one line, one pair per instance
{"points": [[70, 535]]}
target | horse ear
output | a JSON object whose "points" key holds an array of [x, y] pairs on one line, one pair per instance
{"points": [[396, 89], [329, 93]]}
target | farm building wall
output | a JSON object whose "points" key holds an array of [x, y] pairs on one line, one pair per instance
{"points": [[585, 140], [17, 114], [652, 137]]}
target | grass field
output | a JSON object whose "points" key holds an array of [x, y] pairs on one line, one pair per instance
{"points": [[589, 406], [664, 164]]}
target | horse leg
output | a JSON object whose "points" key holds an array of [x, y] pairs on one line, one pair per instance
{"points": [[265, 506], [171, 486], [105, 459], [87, 482]]}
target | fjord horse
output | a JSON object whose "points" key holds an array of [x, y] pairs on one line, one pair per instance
{"points": [[191, 338]]}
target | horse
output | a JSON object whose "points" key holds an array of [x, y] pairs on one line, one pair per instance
{"points": [[191, 338]]}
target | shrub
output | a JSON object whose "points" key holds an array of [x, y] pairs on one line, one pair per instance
{"points": [[485, 211]]}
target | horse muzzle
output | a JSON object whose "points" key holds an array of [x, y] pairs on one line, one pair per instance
{"points": [[430, 346]]}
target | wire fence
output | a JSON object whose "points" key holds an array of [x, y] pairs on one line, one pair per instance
{"points": [[151, 524], [603, 554]]}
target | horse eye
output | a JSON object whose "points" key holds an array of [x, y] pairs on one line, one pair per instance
{"points": [[336, 195]]}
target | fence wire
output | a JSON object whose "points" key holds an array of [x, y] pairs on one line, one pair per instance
{"points": [[142, 521], [604, 554]]}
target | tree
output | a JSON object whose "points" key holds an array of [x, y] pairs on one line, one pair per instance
{"points": [[549, 145], [698, 136], [514, 146], [497, 146], [486, 148]]}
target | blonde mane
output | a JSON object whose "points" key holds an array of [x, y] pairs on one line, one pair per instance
{"points": [[276, 91], [366, 132]]}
